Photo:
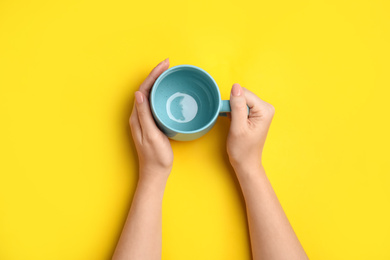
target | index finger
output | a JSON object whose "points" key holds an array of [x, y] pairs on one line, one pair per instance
{"points": [[153, 75], [256, 104]]}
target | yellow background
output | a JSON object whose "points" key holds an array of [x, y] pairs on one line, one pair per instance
{"points": [[68, 167]]}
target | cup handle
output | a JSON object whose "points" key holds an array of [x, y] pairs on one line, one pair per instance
{"points": [[225, 108]]}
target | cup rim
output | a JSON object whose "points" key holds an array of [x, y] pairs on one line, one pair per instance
{"points": [[162, 76]]}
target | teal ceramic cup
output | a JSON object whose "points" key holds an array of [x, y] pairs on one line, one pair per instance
{"points": [[185, 102]]}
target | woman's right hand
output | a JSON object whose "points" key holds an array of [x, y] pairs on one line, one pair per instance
{"points": [[247, 133]]}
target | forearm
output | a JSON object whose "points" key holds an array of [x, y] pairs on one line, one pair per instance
{"points": [[272, 236], [141, 235]]}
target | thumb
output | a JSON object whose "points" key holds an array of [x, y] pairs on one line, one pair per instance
{"points": [[239, 111]]}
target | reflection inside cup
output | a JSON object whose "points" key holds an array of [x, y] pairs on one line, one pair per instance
{"points": [[181, 107]]}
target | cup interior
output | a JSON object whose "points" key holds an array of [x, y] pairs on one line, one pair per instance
{"points": [[185, 98]]}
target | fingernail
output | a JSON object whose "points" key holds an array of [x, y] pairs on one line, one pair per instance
{"points": [[164, 61], [236, 90], [139, 97]]}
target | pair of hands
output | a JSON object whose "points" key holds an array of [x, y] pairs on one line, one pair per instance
{"points": [[271, 234], [245, 140]]}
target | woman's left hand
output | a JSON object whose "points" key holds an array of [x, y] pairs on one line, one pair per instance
{"points": [[153, 147]]}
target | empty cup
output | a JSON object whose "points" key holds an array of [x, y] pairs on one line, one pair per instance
{"points": [[185, 102]]}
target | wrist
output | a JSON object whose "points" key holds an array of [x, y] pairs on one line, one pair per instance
{"points": [[246, 165], [154, 177], [248, 171], [151, 189]]}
